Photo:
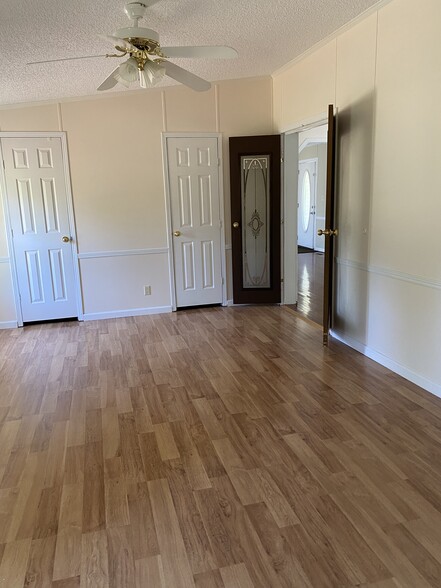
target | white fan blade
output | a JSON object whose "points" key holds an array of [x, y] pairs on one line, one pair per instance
{"points": [[186, 77], [212, 52], [117, 42], [109, 82], [64, 59]]}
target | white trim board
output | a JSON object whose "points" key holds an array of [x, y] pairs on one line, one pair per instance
{"points": [[121, 252], [8, 325], [389, 363], [395, 275], [96, 316], [168, 222]]}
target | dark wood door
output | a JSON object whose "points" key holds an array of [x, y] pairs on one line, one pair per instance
{"points": [[330, 231], [255, 218]]}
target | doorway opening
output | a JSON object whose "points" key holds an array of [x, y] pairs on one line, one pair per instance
{"points": [[304, 215], [311, 201]]}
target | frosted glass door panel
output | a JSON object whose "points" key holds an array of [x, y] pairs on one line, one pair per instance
{"points": [[255, 221]]}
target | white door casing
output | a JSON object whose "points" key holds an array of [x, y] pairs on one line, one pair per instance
{"points": [[195, 206], [38, 210], [307, 203]]}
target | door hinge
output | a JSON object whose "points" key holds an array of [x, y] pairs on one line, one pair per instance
{"points": [[282, 159], [281, 279], [218, 161]]}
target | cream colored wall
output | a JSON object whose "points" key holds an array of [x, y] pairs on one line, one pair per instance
{"points": [[384, 77], [31, 118], [305, 90], [115, 155]]}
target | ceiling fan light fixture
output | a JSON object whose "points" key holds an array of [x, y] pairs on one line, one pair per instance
{"points": [[146, 61], [152, 74], [127, 72]]}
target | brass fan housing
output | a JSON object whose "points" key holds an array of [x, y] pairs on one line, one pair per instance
{"points": [[149, 45]]}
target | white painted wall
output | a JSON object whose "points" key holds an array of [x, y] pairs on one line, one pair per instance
{"points": [[384, 76], [116, 169]]}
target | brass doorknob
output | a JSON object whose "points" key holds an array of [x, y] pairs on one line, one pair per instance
{"points": [[328, 232], [65, 239], [236, 225], [177, 233]]}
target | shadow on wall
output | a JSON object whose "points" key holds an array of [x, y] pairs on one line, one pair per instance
{"points": [[355, 128]]}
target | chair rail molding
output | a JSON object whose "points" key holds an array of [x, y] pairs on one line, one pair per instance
{"points": [[393, 274], [122, 252]]}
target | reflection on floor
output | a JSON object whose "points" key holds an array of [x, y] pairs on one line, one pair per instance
{"points": [[310, 301]]}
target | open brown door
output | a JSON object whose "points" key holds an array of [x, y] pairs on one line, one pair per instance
{"points": [[330, 232], [255, 218]]}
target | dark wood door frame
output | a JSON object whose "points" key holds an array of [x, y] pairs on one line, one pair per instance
{"points": [[330, 232], [255, 146]]}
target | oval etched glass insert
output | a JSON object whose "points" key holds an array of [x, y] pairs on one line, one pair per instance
{"points": [[306, 200]]}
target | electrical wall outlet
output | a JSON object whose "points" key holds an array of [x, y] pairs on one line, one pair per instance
{"points": [[147, 290]]}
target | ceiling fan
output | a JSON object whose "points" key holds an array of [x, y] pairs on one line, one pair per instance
{"points": [[147, 61]]}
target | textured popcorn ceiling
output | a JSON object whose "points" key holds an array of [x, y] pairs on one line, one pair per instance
{"points": [[267, 34]]}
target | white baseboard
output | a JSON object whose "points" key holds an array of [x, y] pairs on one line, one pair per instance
{"points": [[8, 324], [229, 303], [96, 316], [389, 363]]}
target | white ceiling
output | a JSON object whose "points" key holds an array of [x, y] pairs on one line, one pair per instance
{"points": [[266, 33]]}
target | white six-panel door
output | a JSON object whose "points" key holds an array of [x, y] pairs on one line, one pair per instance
{"points": [[38, 213], [193, 170]]}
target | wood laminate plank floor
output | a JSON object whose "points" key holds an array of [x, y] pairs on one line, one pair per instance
{"points": [[218, 448], [310, 286]]}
